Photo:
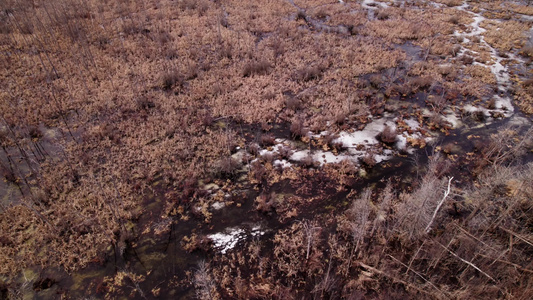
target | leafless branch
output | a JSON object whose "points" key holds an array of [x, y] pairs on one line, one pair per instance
{"points": [[428, 228]]}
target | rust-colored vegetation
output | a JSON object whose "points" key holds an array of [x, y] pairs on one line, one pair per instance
{"points": [[122, 121]]}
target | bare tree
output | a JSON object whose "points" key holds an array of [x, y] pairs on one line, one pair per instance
{"points": [[204, 283], [310, 231]]}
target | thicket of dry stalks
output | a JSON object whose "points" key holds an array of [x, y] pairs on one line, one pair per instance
{"points": [[103, 104], [437, 241]]}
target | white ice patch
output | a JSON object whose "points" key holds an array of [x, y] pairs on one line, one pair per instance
{"points": [[283, 163], [473, 109], [496, 66], [365, 136], [321, 156], [464, 6], [452, 118], [238, 156], [413, 124], [401, 142], [476, 28], [227, 241], [257, 231], [275, 148], [504, 104], [218, 205], [371, 4], [386, 155]]}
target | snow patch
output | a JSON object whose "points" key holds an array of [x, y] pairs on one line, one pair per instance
{"points": [[413, 124], [371, 4], [218, 205], [227, 241], [504, 104], [365, 136], [452, 118], [283, 163], [322, 157]]}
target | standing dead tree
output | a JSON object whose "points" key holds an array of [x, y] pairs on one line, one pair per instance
{"points": [[204, 282], [446, 194], [310, 231]]}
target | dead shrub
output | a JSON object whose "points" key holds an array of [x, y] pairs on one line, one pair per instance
{"points": [[171, 78], [129, 28], [466, 59], [347, 167], [491, 104], [108, 131], [259, 67], [308, 73], [503, 146], [8, 174], [257, 171], [35, 133], [298, 129], [446, 70], [5, 27], [254, 149], [277, 46], [26, 27], [170, 53], [265, 203], [376, 81], [437, 103], [528, 83], [163, 37], [451, 3], [398, 89], [267, 140], [205, 284], [285, 152], [475, 39], [143, 103], [329, 137], [321, 14], [420, 82], [227, 167], [383, 14], [308, 161], [223, 20], [203, 6], [293, 103], [448, 148], [267, 158], [527, 51], [339, 118], [188, 4], [478, 116], [454, 19], [301, 15], [368, 160], [388, 135], [455, 50]]}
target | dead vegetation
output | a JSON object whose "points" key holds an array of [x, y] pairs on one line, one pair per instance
{"points": [[105, 106], [386, 242]]}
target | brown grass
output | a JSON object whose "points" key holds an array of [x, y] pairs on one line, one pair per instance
{"points": [[137, 97]]}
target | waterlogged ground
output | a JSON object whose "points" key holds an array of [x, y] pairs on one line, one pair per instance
{"points": [[160, 255]]}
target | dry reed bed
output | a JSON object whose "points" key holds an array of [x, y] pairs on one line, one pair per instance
{"points": [[142, 91]]}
